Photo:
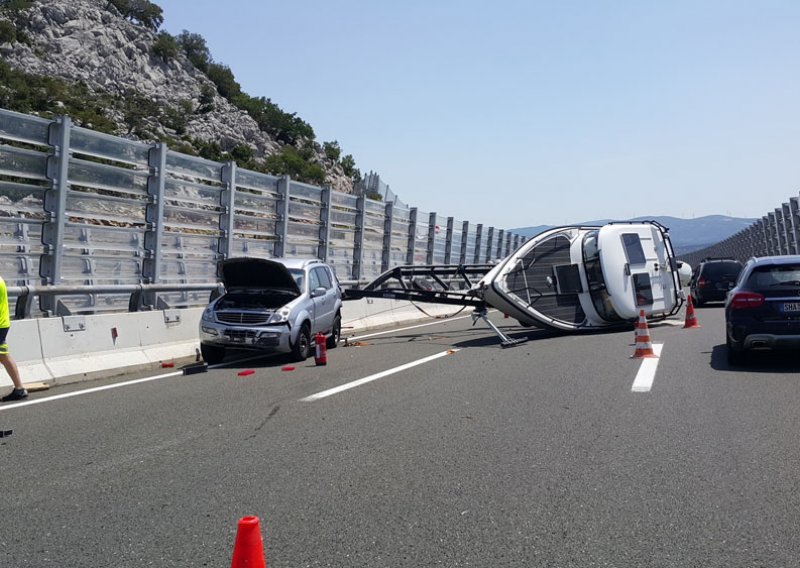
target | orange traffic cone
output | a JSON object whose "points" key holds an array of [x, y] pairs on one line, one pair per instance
{"points": [[691, 319], [643, 346], [248, 550]]}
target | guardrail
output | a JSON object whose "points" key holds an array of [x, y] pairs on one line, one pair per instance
{"points": [[776, 233], [82, 208]]}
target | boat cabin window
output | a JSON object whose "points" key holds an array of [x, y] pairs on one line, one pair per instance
{"points": [[643, 289], [594, 277], [633, 248]]}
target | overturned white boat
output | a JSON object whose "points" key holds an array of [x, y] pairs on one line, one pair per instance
{"points": [[577, 278], [582, 278]]}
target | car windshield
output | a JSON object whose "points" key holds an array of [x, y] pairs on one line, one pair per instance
{"points": [[775, 276], [298, 276], [722, 270]]}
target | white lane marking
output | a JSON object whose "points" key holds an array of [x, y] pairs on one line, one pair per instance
{"points": [[395, 330], [118, 385], [176, 373], [647, 371], [88, 391], [375, 377]]}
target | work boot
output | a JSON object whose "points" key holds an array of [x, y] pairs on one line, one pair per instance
{"points": [[16, 394]]}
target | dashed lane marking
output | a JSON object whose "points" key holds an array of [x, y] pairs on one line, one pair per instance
{"points": [[647, 371]]}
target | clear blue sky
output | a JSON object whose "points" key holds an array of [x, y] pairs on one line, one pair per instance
{"points": [[520, 113]]}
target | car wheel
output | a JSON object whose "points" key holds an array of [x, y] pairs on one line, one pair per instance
{"points": [[736, 356], [212, 354], [336, 332], [697, 301], [302, 347]]}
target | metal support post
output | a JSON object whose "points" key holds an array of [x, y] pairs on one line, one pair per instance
{"points": [[412, 235], [282, 210], [462, 257], [431, 237], [448, 245], [358, 248], [479, 245], [794, 225], [489, 243], [55, 205], [323, 251], [227, 218], [388, 227], [154, 214]]}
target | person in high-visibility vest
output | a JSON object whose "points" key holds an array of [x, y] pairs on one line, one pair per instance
{"points": [[6, 360]]}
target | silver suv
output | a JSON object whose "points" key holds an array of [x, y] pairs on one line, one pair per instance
{"points": [[275, 306]]}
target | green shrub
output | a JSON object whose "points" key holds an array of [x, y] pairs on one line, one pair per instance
{"points": [[332, 151], [195, 48], [142, 12], [222, 76], [14, 5], [8, 32], [289, 162], [284, 127], [165, 47]]}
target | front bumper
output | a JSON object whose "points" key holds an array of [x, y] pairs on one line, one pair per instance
{"points": [[275, 338]]}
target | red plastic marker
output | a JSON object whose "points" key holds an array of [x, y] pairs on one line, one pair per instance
{"points": [[165, 365], [287, 368], [246, 372]]}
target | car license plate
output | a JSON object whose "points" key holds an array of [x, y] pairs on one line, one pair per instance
{"points": [[791, 307]]}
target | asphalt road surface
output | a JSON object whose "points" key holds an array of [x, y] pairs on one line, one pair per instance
{"points": [[439, 449]]}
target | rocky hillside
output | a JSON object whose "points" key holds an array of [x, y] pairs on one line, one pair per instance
{"points": [[113, 72]]}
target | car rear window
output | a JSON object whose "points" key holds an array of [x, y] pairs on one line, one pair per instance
{"points": [[722, 270], [775, 276]]}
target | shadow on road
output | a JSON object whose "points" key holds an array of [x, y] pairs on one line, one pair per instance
{"points": [[756, 361]]}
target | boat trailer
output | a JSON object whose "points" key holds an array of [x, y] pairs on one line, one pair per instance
{"points": [[435, 284]]}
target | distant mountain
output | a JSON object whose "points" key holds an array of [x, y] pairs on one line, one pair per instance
{"points": [[687, 235]]}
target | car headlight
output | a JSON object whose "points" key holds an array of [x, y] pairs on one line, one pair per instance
{"points": [[208, 314], [280, 316]]}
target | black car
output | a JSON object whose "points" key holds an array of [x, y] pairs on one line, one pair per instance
{"points": [[763, 311], [712, 279]]}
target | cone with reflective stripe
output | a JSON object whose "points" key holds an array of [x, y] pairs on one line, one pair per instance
{"points": [[248, 550], [691, 319], [643, 346]]}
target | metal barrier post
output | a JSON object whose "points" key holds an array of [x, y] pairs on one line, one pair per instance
{"points": [[489, 244], [462, 257], [448, 245], [358, 242], [478, 245], [228, 204], [412, 235], [388, 227], [282, 209], [431, 237], [154, 214], [55, 205], [794, 225], [323, 251]]}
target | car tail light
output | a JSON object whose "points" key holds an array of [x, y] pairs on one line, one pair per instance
{"points": [[702, 283], [746, 300]]}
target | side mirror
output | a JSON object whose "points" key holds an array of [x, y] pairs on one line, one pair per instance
{"points": [[316, 292]]}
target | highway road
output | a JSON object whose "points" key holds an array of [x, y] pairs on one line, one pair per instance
{"points": [[439, 449]]}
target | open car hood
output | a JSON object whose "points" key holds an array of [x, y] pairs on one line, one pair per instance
{"points": [[258, 273]]}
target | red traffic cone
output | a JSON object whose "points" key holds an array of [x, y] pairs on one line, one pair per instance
{"points": [[248, 550], [691, 319], [643, 346]]}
